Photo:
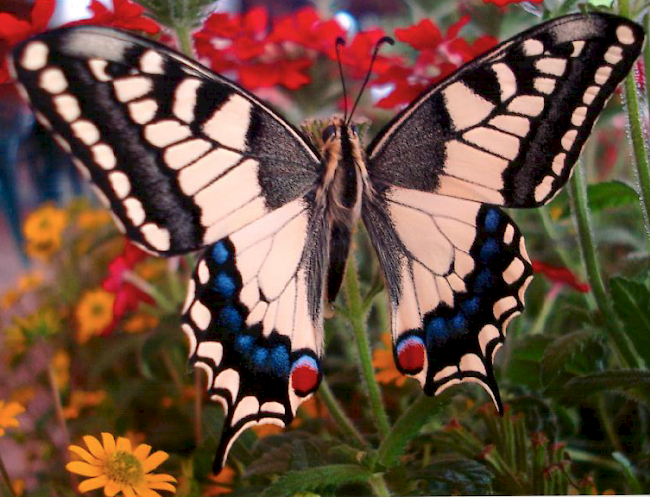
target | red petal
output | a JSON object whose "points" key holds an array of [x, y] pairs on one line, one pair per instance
{"points": [[422, 36], [560, 275], [41, 14]]}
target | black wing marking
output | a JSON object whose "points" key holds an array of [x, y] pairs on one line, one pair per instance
{"points": [[507, 128], [456, 273], [254, 320], [182, 156]]}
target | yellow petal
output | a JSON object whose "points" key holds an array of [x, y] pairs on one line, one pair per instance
{"points": [[154, 460], [162, 486], [2, 432], [13, 409], [128, 491], [143, 491], [124, 444], [95, 447], [159, 477], [142, 452], [84, 454], [109, 442], [111, 488], [93, 483], [84, 469]]}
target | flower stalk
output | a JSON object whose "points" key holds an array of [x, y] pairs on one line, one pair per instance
{"points": [[343, 421], [5, 477], [587, 244], [358, 322]]}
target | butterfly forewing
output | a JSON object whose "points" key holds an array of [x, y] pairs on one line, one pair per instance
{"points": [[507, 128], [182, 156]]}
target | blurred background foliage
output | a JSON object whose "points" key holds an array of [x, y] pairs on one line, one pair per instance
{"points": [[90, 325]]}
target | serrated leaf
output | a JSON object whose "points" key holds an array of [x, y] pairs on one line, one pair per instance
{"points": [[621, 380], [632, 304], [408, 426], [454, 476], [560, 352], [310, 479], [524, 362], [603, 196]]}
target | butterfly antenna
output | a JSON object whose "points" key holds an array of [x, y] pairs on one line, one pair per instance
{"points": [[385, 39], [341, 42]]}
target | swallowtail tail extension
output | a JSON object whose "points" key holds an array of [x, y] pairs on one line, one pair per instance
{"points": [[188, 160]]}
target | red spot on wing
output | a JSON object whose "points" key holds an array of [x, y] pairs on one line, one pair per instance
{"points": [[304, 379], [411, 356]]}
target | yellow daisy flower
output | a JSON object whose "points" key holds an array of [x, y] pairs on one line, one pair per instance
{"points": [[30, 281], [140, 323], [81, 399], [94, 313], [116, 467], [60, 363], [8, 413], [93, 219]]}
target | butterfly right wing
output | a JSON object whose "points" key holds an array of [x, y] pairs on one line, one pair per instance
{"points": [[182, 156]]}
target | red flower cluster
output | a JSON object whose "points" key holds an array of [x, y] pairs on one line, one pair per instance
{"points": [[125, 14], [127, 295], [503, 3], [438, 57]]}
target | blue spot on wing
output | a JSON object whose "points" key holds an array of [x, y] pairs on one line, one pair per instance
{"points": [[458, 322], [484, 281], [231, 318], [489, 249], [259, 357], [220, 253], [243, 343], [437, 332], [224, 285], [471, 306], [491, 222], [279, 361]]}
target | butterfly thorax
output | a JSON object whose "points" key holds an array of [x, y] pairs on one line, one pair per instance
{"points": [[343, 180]]}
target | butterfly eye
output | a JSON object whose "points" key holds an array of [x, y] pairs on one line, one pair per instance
{"points": [[354, 128], [328, 132]]}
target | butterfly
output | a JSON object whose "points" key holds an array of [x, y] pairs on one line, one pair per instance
{"points": [[188, 160]]}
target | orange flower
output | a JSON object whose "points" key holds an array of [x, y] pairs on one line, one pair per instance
{"points": [[382, 361], [80, 399], [140, 323], [116, 467], [8, 413], [94, 314], [225, 477], [60, 363], [43, 229]]}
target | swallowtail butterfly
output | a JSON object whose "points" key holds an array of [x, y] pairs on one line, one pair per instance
{"points": [[187, 160]]}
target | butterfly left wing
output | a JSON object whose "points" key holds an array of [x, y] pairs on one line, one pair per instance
{"points": [[505, 130], [456, 273]]}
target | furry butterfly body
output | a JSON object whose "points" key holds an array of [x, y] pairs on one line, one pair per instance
{"points": [[187, 160]]}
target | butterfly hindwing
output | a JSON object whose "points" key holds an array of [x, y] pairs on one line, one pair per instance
{"points": [[507, 128], [182, 156], [253, 317], [456, 273]]}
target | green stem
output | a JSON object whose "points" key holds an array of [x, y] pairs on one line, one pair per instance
{"points": [[378, 485], [588, 251], [161, 300], [606, 422], [358, 322], [184, 35], [544, 313], [639, 150], [344, 422], [5, 476], [549, 227], [198, 402]]}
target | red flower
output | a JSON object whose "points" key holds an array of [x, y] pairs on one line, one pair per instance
{"points": [[14, 30], [360, 50], [439, 56], [125, 14], [560, 275], [290, 73], [127, 295], [305, 28]]}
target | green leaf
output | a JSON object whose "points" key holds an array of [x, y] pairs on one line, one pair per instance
{"points": [[602, 196], [524, 362], [455, 476], [310, 479], [560, 352], [408, 426], [620, 380], [632, 304]]}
